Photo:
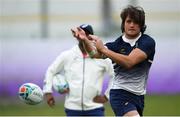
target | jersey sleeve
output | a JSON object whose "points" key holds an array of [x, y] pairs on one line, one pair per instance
{"points": [[147, 45]]}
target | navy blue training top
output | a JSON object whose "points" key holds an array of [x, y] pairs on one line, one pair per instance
{"points": [[134, 79]]}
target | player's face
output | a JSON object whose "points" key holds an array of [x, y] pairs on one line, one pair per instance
{"points": [[131, 28]]}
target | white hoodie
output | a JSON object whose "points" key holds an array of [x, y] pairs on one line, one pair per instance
{"points": [[84, 75]]}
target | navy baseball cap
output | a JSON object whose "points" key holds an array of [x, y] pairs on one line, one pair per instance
{"points": [[87, 28]]}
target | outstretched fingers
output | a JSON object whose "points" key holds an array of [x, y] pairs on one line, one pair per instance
{"points": [[93, 37], [74, 32]]}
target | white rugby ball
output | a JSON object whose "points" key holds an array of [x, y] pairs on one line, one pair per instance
{"points": [[60, 84], [30, 93]]}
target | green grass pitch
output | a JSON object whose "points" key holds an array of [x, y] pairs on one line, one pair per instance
{"points": [[155, 105]]}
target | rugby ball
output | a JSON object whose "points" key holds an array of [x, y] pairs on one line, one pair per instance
{"points": [[30, 93], [60, 84]]}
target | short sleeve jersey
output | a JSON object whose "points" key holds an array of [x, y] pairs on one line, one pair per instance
{"points": [[133, 80]]}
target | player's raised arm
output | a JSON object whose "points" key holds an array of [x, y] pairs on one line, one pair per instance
{"points": [[89, 42]]}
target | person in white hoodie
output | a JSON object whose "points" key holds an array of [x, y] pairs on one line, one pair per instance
{"points": [[85, 78]]}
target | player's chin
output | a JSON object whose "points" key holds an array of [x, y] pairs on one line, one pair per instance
{"points": [[132, 34]]}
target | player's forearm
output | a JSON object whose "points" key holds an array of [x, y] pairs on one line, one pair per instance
{"points": [[88, 45], [91, 49], [120, 59]]}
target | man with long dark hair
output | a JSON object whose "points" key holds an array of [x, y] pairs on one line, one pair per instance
{"points": [[133, 53]]}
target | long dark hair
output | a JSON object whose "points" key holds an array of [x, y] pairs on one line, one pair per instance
{"points": [[137, 14]]}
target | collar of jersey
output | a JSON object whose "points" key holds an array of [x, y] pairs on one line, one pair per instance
{"points": [[132, 42]]}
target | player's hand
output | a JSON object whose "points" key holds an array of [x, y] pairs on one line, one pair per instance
{"points": [[98, 42], [79, 33], [50, 99], [100, 99], [74, 32]]}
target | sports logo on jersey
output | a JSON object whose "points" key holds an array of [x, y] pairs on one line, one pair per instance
{"points": [[122, 51]]}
